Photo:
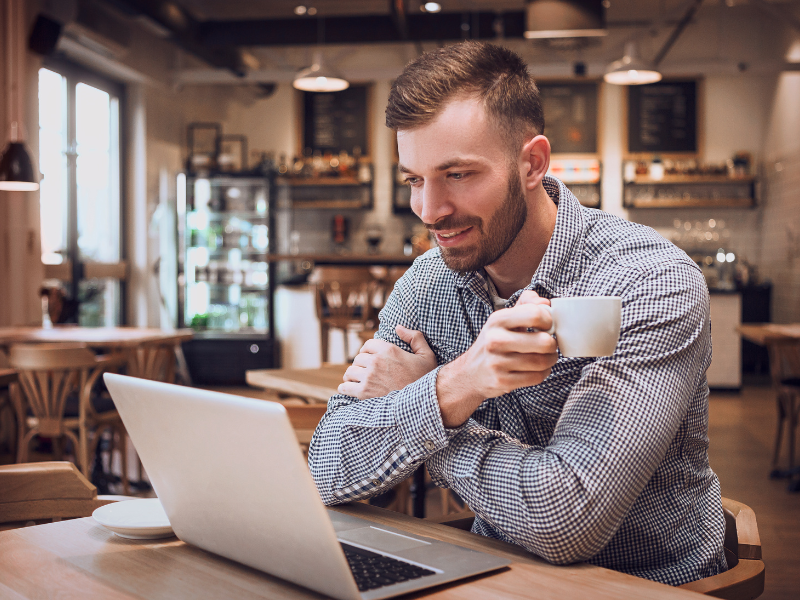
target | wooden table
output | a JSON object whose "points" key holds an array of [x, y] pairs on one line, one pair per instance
{"points": [[152, 351], [765, 334], [81, 559], [312, 385]]}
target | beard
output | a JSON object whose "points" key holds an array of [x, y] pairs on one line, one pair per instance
{"points": [[496, 236]]}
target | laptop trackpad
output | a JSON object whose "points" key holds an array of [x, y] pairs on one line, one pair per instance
{"points": [[380, 539]]}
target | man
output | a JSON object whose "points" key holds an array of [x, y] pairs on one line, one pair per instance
{"points": [[601, 460]]}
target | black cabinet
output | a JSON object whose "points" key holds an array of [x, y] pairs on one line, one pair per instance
{"points": [[215, 361], [756, 308]]}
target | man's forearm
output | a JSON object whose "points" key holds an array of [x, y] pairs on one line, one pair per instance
{"points": [[361, 448]]}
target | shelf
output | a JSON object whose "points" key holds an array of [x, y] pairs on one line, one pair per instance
{"points": [[217, 252], [243, 288], [229, 214], [690, 191], [691, 203], [691, 179], [345, 259], [321, 181], [319, 193]]}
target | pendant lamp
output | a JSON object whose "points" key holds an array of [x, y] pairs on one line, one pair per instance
{"points": [[17, 172], [320, 78], [630, 69]]}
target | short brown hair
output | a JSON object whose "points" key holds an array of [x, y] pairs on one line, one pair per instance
{"points": [[495, 75]]}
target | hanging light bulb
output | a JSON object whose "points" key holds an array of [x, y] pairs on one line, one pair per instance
{"points": [[630, 69]]}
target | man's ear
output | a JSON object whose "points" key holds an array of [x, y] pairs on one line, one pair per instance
{"points": [[535, 159]]}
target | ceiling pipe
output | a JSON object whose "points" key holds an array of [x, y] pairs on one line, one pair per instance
{"points": [[673, 37], [364, 29], [185, 30], [398, 10]]}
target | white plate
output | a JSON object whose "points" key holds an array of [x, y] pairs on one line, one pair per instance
{"points": [[143, 519]]}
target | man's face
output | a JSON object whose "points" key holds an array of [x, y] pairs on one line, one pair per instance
{"points": [[464, 186]]}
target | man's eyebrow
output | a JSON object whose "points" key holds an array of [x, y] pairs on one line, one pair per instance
{"points": [[456, 162]]}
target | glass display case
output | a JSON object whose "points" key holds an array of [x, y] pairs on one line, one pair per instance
{"points": [[227, 289]]}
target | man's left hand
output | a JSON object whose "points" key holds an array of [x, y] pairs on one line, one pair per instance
{"points": [[381, 367]]}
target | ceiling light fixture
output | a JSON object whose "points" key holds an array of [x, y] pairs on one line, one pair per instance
{"points": [[320, 78], [630, 69], [17, 173], [431, 7], [545, 19]]}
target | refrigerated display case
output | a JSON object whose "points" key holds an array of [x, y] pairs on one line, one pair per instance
{"points": [[226, 288]]}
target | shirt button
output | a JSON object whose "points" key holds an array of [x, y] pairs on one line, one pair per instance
{"points": [[376, 481], [429, 445]]}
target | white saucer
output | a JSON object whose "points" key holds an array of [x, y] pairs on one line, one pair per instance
{"points": [[135, 519]]}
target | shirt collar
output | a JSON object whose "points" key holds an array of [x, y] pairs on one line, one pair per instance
{"points": [[561, 264]]}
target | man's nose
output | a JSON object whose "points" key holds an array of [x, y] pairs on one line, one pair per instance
{"points": [[431, 203]]}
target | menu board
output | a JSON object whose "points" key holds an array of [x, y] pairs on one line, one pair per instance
{"points": [[335, 121], [662, 117], [570, 116]]}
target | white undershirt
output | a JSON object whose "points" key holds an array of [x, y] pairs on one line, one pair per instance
{"points": [[497, 301]]}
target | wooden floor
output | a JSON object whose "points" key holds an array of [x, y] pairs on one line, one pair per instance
{"points": [[742, 433], [741, 430]]}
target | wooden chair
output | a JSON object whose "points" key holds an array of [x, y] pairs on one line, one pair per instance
{"points": [[343, 301], [785, 366], [8, 418], [48, 374], [304, 419], [45, 491], [744, 579]]}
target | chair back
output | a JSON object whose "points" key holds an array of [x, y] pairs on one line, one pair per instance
{"points": [[343, 295], [45, 490], [744, 578], [304, 419], [48, 374], [343, 299], [787, 355]]}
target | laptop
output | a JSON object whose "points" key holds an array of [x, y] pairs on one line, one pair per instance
{"points": [[232, 479]]}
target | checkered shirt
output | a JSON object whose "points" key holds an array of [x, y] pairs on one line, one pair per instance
{"points": [[606, 460]]}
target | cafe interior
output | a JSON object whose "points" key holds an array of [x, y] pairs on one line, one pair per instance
{"points": [[204, 193]]}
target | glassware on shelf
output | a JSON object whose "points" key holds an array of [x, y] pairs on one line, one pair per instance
{"points": [[374, 236]]}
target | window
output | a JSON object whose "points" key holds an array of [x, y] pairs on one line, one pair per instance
{"points": [[79, 156]]}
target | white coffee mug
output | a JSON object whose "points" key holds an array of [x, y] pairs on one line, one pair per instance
{"points": [[586, 326]]}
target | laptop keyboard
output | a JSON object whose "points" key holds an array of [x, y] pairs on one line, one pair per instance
{"points": [[372, 570]]}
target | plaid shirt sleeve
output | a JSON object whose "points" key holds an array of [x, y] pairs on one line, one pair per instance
{"points": [[361, 448], [564, 501]]}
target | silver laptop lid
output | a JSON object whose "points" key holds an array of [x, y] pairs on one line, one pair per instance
{"points": [[210, 458]]}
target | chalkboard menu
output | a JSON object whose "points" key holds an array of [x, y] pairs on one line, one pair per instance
{"points": [[662, 117], [335, 121], [570, 116]]}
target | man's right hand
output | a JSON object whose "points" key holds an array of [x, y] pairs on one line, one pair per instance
{"points": [[503, 358]]}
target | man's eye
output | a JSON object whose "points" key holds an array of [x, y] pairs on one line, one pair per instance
{"points": [[457, 176], [411, 180]]}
